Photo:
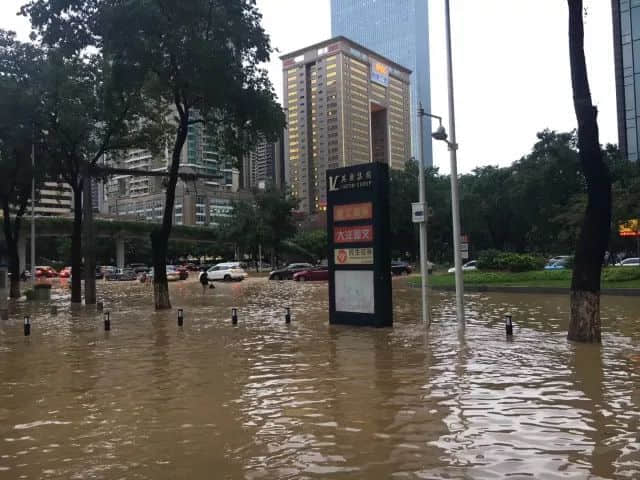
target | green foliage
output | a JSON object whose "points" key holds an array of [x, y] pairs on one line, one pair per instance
{"points": [[313, 241], [266, 221], [509, 261], [620, 274]]}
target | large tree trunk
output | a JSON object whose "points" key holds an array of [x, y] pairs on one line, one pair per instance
{"points": [[160, 236], [76, 245], [594, 235], [12, 235], [89, 243]]}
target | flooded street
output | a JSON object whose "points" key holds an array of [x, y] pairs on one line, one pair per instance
{"points": [[266, 400]]}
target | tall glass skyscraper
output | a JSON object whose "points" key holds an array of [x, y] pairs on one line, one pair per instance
{"points": [[626, 33], [399, 30]]}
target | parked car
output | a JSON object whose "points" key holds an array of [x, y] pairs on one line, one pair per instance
{"points": [[99, 273], [183, 271], [467, 267], [192, 267], [227, 272], [107, 270], [138, 267], [629, 262], [46, 271], [127, 274], [312, 274], [564, 258], [65, 272], [556, 265], [287, 272]]}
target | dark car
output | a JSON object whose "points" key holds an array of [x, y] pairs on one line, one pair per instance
{"points": [[312, 274], [183, 271], [287, 272], [401, 268], [138, 267], [99, 273]]}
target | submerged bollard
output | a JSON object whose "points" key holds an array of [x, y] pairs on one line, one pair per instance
{"points": [[107, 321], [27, 325], [99, 306], [508, 324], [180, 317], [234, 316], [287, 317], [54, 310]]}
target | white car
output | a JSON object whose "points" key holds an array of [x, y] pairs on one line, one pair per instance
{"points": [[469, 266], [227, 272], [629, 262]]}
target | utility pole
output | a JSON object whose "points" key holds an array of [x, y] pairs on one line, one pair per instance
{"points": [[33, 210], [424, 264], [455, 200]]}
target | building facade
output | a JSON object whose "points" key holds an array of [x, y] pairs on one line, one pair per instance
{"points": [[345, 105], [626, 33], [205, 201], [55, 200], [399, 30], [263, 167]]}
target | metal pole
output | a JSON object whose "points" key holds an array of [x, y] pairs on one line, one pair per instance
{"points": [[424, 269], [259, 257], [455, 205], [33, 215]]}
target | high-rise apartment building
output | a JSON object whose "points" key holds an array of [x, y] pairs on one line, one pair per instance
{"points": [[55, 199], [263, 166], [399, 30], [345, 105], [201, 202], [626, 33]]}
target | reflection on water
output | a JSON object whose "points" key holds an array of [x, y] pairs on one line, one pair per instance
{"points": [[149, 400]]}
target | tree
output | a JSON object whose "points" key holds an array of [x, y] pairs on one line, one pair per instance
{"points": [[20, 119], [93, 108], [314, 242], [204, 58], [594, 235]]}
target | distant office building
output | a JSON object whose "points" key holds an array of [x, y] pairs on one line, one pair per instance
{"points": [[626, 33], [263, 166], [399, 30], [197, 202], [55, 199], [345, 105]]}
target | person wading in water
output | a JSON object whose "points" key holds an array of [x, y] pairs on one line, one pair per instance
{"points": [[204, 281]]}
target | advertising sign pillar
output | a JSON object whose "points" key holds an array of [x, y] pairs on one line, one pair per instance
{"points": [[359, 245]]}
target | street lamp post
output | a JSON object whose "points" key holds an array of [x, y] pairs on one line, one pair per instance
{"points": [[455, 202], [33, 214], [424, 266]]}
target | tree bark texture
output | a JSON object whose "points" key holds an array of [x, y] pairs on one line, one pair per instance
{"points": [[12, 235], [76, 245], [89, 243], [594, 235], [160, 236]]}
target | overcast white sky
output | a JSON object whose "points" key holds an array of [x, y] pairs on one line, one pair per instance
{"points": [[511, 67]]}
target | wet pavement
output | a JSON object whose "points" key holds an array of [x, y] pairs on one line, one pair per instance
{"points": [[262, 400]]}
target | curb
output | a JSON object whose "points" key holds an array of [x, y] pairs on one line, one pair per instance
{"points": [[619, 292]]}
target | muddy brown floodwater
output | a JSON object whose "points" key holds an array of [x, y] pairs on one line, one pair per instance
{"points": [[266, 400]]}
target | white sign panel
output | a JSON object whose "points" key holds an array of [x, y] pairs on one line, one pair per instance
{"points": [[354, 291], [418, 212]]}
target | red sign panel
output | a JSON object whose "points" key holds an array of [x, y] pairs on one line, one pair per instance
{"points": [[363, 233], [352, 211]]}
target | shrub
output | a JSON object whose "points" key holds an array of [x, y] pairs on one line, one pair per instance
{"points": [[620, 274], [512, 262]]}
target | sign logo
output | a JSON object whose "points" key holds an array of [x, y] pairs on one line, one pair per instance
{"points": [[353, 256], [630, 228], [380, 74], [360, 179], [362, 233], [352, 211]]}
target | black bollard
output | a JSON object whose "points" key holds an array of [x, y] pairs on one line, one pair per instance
{"points": [[107, 321], [508, 324], [234, 316], [287, 317], [27, 325], [54, 310], [99, 306], [180, 317]]}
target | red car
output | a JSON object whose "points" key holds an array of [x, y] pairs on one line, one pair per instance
{"points": [[47, 272], [311, 274], [65, 272]]}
